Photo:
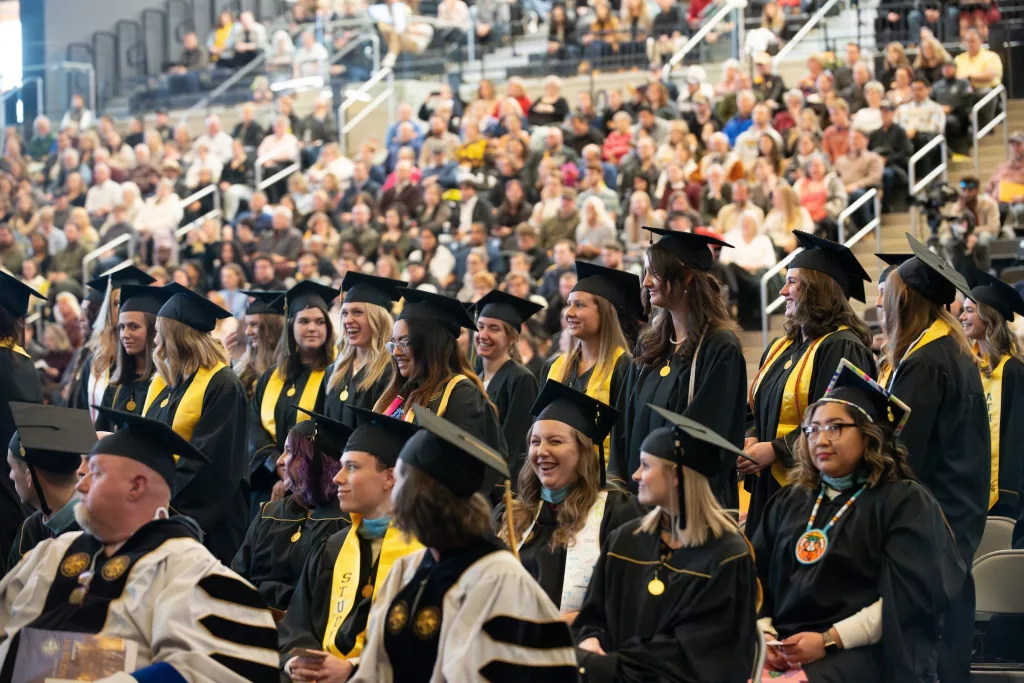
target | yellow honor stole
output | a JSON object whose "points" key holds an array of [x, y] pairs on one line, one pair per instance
{"points": [[344, 589], [994, 400], [9, 344], [272, 392], [937, 330], [190, 409], [599, 387], [445, 397], [796, 393]]}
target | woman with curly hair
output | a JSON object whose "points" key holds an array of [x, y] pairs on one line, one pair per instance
{"points": [[855, 558]]}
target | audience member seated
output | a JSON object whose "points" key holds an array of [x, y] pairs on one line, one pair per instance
{"points": [[860, 170], [729, 215], [1006, 184], [751, 256], [869, 117], [823, 195], [246, 41], [922, 118], [956, 97], [892, 143], [835, 141], [787, 215], [983, 68]]}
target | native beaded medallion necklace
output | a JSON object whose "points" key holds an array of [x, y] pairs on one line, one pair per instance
{"points": [[813, 543]]}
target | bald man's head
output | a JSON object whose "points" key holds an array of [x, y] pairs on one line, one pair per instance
{"points": [[119, 496]]}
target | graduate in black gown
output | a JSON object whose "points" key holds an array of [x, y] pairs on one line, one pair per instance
{"points": [[363, 369], [820, 330], [331, 605], [431, 371], [674, 596], [264, 323], [693, 328], [604, 310], [136, 323], [464, 608], [511, 387], [985, 319], [855, 558], [930, 365], [46, 452], [19, 381], [566, 509], [284, 531], [198, 395]]}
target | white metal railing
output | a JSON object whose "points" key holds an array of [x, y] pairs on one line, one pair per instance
{"points": [[37, 81], [917, 185], [257, 61], [852, 209], [103, 249], [728, 8], [367, 22], [374, 41], [804, 30], [280, 175], [875, 225], [189, 227], [998, 91], [260, 163], [361, 94], [201, 194]]}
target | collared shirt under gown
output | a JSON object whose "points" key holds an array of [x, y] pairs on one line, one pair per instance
{"points": [[35, 530]]}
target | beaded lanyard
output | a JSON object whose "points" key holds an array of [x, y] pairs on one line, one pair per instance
{"points": [[813, 543]]}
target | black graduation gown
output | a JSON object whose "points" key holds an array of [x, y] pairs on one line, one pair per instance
{"points": [[947, 435], [271, 558], [580, 382], [512, 390], [893, 544], [700, 630], [331, 405], [19, 382], [129, 397], [471, 410], [77, 395], [305, 622], [764, 421], [216, 494], [1011, 443], [34, 530], [719, 402], [265, 448], [547, 566]]}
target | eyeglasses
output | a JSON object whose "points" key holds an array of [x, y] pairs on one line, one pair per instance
{"points": [[830, 432], [402, 344]]}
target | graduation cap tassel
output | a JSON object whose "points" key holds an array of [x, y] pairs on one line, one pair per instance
{"points": [[509, 522]]}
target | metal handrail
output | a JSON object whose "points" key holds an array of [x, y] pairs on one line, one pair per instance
{"points": [[716, 19], [20, 91], [998, 91], [918, 185], [189, 227], [231, 81], [260, 163], [374, 40], [200, 194], [283, 173], [368, 22], [360, 95], [69, 66], [804, 30], [875, 225], [104, 248], [851, 209]]}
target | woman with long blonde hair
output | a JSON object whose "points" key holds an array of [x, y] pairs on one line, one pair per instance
{"points": [[986, 317], [820, 330], [929, 363], [786, 216], [197, 394], [363, 369], [674, 595], [565, 509], [264, 322]]}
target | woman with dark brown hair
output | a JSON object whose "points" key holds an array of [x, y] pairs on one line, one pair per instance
{"points": [[986, 315], [929, 363], [689, 361], [855, 558], [456, 610], [820, 330]]}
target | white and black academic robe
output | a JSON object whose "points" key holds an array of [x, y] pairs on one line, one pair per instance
{"points": [[191, 617]]}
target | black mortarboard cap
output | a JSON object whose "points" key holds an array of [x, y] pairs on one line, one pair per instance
{"points": [[330, 436], [451, 456], [309, 294], [14, 295], [444, 310], [370, 289], [147, 299], [693, 249], [150, 442], [893, 261], [129, 275], [851, 386], [505, 307], [51, 438], [193, 310], [379, 435], [593, 418], [932, 277], [620, 287], [264, 302], [832, 259], [94, 296], [993, 292]]}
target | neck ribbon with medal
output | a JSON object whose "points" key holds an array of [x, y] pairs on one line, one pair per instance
{"points": [[813, 543]]}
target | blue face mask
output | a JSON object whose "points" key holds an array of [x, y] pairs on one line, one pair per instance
{"points": [[844, 483], [374, 528], [554, 496]]}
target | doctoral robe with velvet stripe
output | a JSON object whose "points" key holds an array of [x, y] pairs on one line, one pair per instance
{"points": [[19, 381], [215, 494], [719, 403], [512, 390], [272, 557], [701, 629], [191, 617], [330, 403]]}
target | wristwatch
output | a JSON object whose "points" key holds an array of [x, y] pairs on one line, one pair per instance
{"points": [[829, 640]]}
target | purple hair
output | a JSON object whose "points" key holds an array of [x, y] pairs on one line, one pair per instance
{"points": [[313, 485]]}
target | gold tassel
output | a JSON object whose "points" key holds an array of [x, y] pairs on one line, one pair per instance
{"points": [[509, 522]]}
